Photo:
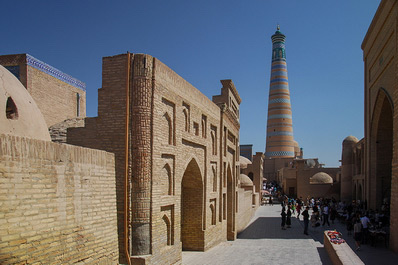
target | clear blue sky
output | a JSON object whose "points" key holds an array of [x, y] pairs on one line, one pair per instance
{"points": [[208, 40]]}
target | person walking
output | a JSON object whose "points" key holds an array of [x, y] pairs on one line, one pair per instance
{"points": [[306, 216], [358, 234], [298, 208], [365, 228], [283, 214], [333, 214], [288, 217], [325, 215]]}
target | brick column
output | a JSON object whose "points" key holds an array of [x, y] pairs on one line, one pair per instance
{"points": [[141, 137]]}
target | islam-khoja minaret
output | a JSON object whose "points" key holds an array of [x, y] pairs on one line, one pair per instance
{"points": [[280, 142]]}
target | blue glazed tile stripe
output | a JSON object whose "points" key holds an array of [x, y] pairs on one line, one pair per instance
{"points": [[280, 133], [280, 153], [279, 116], [54, 72], [279, 100]]}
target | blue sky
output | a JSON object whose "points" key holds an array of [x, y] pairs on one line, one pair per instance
{"points": [[209, 40]]}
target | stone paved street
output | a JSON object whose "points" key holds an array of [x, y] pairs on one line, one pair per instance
{"points": [[263, 242]]}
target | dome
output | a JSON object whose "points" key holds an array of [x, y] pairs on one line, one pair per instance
{"points": [[20, 114], [243, 162], [321, 178], [245, 181], [350, 138], [310, 163]]}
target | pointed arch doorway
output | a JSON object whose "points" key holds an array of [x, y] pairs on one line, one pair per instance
{"points": [[192, 234], [230, 206], [382, 128]]}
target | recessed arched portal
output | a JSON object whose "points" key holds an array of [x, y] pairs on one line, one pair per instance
{"points": [[384, 143], [230, 206], [359, 192], [354, 192], [382, 129], [192, 234]]}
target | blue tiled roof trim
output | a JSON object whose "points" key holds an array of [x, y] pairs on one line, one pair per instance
{"points": [[54, 72]]}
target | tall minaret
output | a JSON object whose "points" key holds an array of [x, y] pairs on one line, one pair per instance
{"points": [[280, 142]]}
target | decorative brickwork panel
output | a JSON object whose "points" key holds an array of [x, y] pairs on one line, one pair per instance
{"points": [[141, 134], [170, 170]]}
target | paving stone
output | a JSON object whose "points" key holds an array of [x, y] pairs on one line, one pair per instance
{"points": [[264, 242]]}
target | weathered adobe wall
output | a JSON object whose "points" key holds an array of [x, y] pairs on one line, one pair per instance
{"points": [[57, 204], [247, 206], [56, 99], [305, 189], [58, 132]]}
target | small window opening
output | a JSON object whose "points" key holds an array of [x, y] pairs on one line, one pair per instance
{"points": [[196, 128], [11, 109], [77, 104]]}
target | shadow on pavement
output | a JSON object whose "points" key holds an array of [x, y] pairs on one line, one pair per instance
{"points": [[265, 227], [324, 256]]}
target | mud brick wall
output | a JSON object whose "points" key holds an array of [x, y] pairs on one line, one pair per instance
{"points": [[57, 204], [56, 99], [55, 96], [247, 206]]}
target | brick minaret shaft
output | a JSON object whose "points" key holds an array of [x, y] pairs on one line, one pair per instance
{"points": [[280, 142]]}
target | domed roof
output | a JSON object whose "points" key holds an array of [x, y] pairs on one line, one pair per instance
{"points": [[351, 139], [20, 115], [321, 178], [243, 162], [245, 181], [310, 163]]}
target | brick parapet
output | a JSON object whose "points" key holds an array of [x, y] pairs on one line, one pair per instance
{"points": [[46, 216]]}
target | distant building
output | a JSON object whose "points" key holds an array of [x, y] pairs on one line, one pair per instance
{"points": [[246, 150], [280, 142], [283, 162], [59, 96]]}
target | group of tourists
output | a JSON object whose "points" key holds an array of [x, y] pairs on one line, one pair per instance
{"points": [[290, 207], [361, 221], [324, 211]]}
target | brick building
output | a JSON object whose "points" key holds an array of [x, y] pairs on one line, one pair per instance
{"points": [[57, 201], [369, 165], [176, 159], [58, 95]]}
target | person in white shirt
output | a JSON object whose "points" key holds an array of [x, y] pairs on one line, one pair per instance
{"points": [[325, 214], [365, 228]]}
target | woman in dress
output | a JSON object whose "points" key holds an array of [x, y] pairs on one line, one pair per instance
{"points": [[288, 217], [283, 214]]}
